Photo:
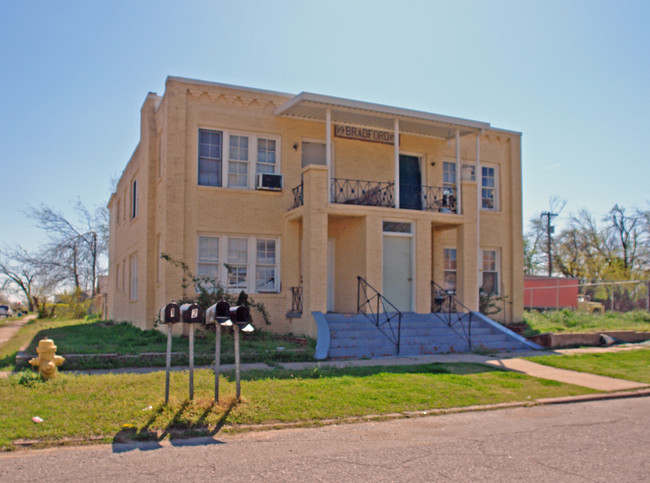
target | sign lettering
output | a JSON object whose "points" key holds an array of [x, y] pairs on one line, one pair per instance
{"points": [[364, 134]]}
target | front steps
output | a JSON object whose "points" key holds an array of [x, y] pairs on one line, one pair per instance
{"points": [[353, 336]]}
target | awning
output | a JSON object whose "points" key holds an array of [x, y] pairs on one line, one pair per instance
{"points": [[313, 107]]}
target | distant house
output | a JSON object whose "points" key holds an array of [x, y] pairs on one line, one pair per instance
{"points": [[292, 197]]}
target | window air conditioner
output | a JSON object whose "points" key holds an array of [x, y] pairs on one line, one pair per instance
{"points": [[270, 182]]}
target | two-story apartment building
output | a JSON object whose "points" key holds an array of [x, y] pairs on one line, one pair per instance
{"points": [[293, 197]]}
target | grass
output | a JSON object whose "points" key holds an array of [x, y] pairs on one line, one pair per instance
{"points": [[570, 321], [633, 365], [106, 337], [113, 408]]}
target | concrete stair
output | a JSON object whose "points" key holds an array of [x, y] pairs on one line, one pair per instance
{"points": [[353, 336]]}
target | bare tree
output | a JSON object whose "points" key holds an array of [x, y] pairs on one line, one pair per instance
{"points": [[74, 251], [21, 272]]}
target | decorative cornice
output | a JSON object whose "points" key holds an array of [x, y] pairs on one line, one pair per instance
{"points": [[234, 99]]}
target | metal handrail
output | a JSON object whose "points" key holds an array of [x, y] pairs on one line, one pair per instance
{"points": [[363, 192], [372, 305], [443, 304], [297, 196]]}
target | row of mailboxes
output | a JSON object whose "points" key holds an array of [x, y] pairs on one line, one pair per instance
{"points": [[221, 313]]}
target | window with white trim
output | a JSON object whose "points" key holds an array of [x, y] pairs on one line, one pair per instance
{"points": [[245, 156], [246, 263], [133, 289], [490, 272], [210, 148], [265, 274], [208, 262], [266, 150], [488, 188], [450, 268], [237, 263], [448, 175]]}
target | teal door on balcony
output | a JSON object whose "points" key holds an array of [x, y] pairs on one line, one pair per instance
{"points": [[410, 182]]}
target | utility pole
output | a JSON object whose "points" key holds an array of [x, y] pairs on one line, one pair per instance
{"points": [[549, 231]]}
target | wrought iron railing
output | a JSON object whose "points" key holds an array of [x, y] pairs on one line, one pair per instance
{"points": [[435, 198], [361, 192], [379, 311], [297, 196], [382, 193], [449, 310], [296, 300]]}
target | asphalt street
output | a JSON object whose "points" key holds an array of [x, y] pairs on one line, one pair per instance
{"points": [[595, 441]]}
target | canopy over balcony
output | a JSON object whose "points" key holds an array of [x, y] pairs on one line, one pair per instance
{"points": [[314, 107]]}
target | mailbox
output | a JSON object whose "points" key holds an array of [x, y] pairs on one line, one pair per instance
{"points": [[241, 316], [219, 312], [170, 314], [192, 314]]}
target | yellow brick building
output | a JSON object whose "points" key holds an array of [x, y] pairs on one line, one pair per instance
{"points": [[293, 197]]}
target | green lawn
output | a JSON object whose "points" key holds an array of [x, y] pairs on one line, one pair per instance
{"points": [[633, 365], [573, 321], [105, 337], [114, 407]]}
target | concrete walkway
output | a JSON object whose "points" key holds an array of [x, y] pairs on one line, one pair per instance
{"points": [[8, 330]]}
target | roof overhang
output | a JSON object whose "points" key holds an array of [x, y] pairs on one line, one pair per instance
{"points": [[313, 107]]}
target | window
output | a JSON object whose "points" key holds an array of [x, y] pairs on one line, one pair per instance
{"points": [[124, 276], [237, 263], [238, 162], [133, 292], [210, 143], [208, 264], [396, 227], [449, 175], [134, 199], [265, 278], [450, 269], [246, 155], [265, 156], [246, 263], [160, 155], [117, 276], [488, 188], [158, 259], [118, 210], [490, 274]]}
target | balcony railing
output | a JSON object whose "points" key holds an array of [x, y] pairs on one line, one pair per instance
{"points": [[382, 193], [360, 192]]}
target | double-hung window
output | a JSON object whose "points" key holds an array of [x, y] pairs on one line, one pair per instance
{"points": [[488, 188], [266, 150], [266, 270], [237, 263], [246, 263], [449, 175], [133, 292], [450, 269], [238, 162], [490, 273], [240, 156], [210, 148], [208, 263]]}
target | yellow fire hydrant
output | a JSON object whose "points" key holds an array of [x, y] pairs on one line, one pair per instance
{"points": [[47, 360]]}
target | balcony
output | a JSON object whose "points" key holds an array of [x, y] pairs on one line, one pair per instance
{"points": [[382, 194]]}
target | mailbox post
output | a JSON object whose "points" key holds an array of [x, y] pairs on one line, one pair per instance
{"points": [[219, 315], [169, 315], [192, 314], [241, 317]]}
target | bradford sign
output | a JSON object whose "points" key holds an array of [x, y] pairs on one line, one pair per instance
{"points": [[364, 134]]}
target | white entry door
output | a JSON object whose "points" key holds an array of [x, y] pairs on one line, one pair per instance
{"points": [[398, 272]]}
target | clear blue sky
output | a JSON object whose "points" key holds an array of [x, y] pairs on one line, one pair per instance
{"points": [[572, 76]]}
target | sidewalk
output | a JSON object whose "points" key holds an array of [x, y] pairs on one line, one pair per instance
{"points": [[511, 361], [8, 331]]}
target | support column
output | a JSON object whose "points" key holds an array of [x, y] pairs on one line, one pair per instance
{"points": [[459, 182], [396, 154], [328, 150], [314, 244], [423, 273], [479, 194], [468, 252]]}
